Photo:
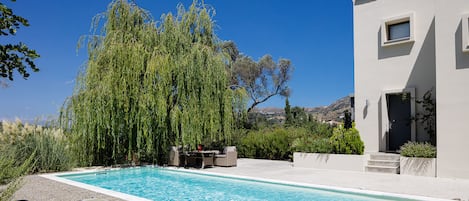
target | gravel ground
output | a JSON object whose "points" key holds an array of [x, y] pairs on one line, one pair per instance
{"points": [[36, 188]]}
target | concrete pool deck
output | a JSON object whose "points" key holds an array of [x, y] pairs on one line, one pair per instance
{"points": [[39, 188], [444, 188]]}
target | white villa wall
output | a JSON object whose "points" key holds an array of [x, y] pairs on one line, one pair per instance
{"points": [[392, 68], [453, 90], [435, 58], [346, 162]]}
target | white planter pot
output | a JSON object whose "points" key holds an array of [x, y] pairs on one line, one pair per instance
{"points": [[329, 161], [418, 166]]}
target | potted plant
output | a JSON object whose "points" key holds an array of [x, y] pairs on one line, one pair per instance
{"points": [[200, 147], [418, 159]]}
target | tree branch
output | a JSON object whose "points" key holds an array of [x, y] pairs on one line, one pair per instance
{"points": [[255, 103]]}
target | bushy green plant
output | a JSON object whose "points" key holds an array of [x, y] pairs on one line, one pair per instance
{"points": [[312, 145], [418, 149], [269, 143], [50, 146], [319, 129], [11, 174], [347, 141]]}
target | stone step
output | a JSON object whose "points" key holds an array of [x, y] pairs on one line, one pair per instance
{"points": [[383, 156], [386, 163], [382, 169]]}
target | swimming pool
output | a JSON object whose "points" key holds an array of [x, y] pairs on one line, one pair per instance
{"points": [[166, 184]]}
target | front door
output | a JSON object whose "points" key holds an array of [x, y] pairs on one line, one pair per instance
{"points": [[399, 115]]}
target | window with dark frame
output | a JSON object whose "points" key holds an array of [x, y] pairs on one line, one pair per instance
{"points": [[398, 31]]}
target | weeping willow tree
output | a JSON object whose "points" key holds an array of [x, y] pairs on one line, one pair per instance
{"points": [[149, 85]]}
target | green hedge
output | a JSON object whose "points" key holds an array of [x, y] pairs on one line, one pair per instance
{"points": [[312, 145], [347, 141], [280, 143], [269, 143], [418, 149]]}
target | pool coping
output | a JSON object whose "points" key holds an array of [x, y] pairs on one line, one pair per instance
{"points": [[315, 186], [124, 196], [371, 193]]}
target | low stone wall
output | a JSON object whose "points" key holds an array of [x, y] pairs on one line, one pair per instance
{"points": [[418, 166], [330, 161]]}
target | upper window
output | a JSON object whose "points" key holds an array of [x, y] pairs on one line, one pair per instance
{"points": [[465, 33], [397, 30]]}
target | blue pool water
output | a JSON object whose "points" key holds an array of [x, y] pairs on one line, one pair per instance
{"points": [[163, 184]]}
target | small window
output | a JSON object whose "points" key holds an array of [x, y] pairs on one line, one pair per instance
{"points": [[397, 30], [465, 33]]}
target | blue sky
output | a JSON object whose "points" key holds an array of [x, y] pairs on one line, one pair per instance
{"points": [[317, 36]]}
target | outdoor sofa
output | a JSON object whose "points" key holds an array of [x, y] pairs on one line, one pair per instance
{"points": [[228, 158]]}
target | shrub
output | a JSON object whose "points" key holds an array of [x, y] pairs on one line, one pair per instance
{"points": [[269, 143], [312, 145], [347, 141], [11, 174], [417, 149], [50, 146], [320, 129]]}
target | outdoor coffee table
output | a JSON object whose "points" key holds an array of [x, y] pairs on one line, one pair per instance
{"points": [[205, 157]]}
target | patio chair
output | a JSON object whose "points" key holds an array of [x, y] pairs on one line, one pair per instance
{"points": [[174, 159], [228, 158]]}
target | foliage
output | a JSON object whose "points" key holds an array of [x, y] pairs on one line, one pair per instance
{"points": [[299, 116], [312, 145], [262, 79], [11, 174], [269, 143], [347, 119], [49, 146], [428, 116], [320, 129], [14, 56], [318, 139], [150, 85], [231, 52], [288, 114], [279, 143], [417, 149], [347, 141], [258, 121]]}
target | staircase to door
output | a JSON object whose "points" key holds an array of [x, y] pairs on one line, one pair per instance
{"points": [[383, 163]]}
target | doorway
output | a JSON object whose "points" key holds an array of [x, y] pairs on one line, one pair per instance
{"points": [[400, 120]]}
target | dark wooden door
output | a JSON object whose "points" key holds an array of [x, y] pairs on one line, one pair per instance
{"points": [[399, 113]]}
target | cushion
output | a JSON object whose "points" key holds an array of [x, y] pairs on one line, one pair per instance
{"points": [[229, 149]]}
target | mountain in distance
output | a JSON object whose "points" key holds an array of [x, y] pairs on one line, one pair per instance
{"points": [[334, 111]]}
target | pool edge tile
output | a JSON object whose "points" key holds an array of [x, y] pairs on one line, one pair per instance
{"points": [[124, 196]]}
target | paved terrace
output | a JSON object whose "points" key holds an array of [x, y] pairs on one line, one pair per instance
{"points": [[392, 183], [38, 188]]}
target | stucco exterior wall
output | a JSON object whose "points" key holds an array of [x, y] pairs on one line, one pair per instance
{"points": [[435, 59], [391, 68], [453, 90], [346, 162]]}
